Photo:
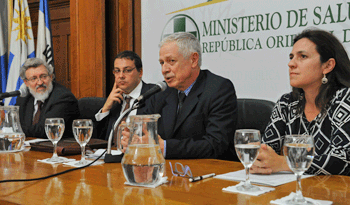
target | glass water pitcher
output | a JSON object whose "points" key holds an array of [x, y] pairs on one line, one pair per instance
{"points": [[143, 161], [11, 134]]}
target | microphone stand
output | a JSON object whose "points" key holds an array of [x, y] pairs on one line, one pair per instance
{"points": [[109, 158]]}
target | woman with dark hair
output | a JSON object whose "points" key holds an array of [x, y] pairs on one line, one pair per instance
{"points": [[319, 105]]}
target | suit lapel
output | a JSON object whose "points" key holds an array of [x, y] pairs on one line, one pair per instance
{"points": [[114, 115], [30, 113], [190, 101], [169, 114], [144, 88]]}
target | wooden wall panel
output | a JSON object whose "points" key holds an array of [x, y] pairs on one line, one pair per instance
{"points": [[60, 27], [87, 47], [137, 27], [123, 32], [87, 35], [125, 29]]}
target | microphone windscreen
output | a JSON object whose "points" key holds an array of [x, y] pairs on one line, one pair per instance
{"points": [[162, 85], [23, 90]]}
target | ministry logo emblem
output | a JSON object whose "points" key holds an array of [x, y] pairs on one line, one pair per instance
{"points": [[181, 23]]}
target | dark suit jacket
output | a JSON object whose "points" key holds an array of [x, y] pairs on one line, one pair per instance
{"points": [[206, 124], [106, 124], [60, 104]]}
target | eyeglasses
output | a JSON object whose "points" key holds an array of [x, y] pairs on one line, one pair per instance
{"points": [[180, 170], [41, 77], [125, 71]]}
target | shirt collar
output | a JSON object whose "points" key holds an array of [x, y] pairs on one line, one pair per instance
{"points": [[187, 91], [36, 101], [136, 92]]}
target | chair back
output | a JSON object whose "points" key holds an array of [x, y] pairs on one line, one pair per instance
{"points": [[88, 107], [254, 113]]}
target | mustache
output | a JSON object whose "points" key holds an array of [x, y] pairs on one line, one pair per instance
{"points": [[41, 86], [168, 76]]}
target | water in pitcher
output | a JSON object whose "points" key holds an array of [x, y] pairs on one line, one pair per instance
{"points": [[11, 141], [143, 164]]}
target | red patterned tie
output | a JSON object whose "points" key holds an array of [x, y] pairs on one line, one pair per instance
{"points": [[37, 114]]}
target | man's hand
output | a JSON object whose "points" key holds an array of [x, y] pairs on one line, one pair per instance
{"points": [[125, 140], [161, 144], [116, 95], [269, 162]]}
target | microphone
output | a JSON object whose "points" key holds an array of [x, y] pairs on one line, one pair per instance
{"points": [[22, 92], [160, 86]]}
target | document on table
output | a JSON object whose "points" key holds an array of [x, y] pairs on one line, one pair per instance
{"points": [[100, 151], [274, 179], [28, 142]]}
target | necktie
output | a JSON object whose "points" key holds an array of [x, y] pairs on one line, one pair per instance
{"points": [[37, 114], [127, 106], [182, 97]]}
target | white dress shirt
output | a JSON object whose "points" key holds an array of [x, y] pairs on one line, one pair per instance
{"points": [[134, 94]]}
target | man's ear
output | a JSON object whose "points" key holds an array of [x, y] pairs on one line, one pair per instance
{"points": [[194, 59], [26, 82]]}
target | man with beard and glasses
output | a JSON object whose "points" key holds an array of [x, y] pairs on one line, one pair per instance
{"points": [[47, 99]]}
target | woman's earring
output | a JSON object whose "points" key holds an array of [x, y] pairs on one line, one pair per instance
{"points": [[324, 79]]}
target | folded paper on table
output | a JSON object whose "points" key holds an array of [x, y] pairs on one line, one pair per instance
{"points": [[29, 142], [274, 179], [98, 152], [255, 193], [67, 146], [163, 180], [75, 163], [283, 200], [49, 162]]}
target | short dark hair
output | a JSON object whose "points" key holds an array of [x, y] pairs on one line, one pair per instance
{"points": [[131, 56], [328, 46]]}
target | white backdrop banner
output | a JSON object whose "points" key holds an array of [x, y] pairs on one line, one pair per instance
{"points": [[246, 41]]}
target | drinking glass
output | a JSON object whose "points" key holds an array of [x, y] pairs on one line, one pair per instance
{"points": [[54, 128], [299, 151], [247, 145], [82, 130]]}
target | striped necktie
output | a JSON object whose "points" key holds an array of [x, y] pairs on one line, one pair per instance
{"points": [[37, 114]]}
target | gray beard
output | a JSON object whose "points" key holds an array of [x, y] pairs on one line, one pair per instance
{"points": [[42, 96]]}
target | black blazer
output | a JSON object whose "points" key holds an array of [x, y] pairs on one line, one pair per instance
{"points": [[61, 104], [105, 126], [205, 126]]}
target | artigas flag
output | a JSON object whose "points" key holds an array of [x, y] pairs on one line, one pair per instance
{"points": [[21, 46], [44, 48]]}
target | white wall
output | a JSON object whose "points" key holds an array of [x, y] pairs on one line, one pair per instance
{"points": [[253, 61]]}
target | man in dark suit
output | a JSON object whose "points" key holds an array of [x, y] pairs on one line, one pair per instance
{"points": [[128, 84], [47, 99], [203, 125]]}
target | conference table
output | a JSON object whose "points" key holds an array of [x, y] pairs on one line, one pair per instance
{"points": [[104, 184]]}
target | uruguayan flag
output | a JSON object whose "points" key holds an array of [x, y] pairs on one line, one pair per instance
{"points": [[44, 42], [21, 47], [3, 64]]}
